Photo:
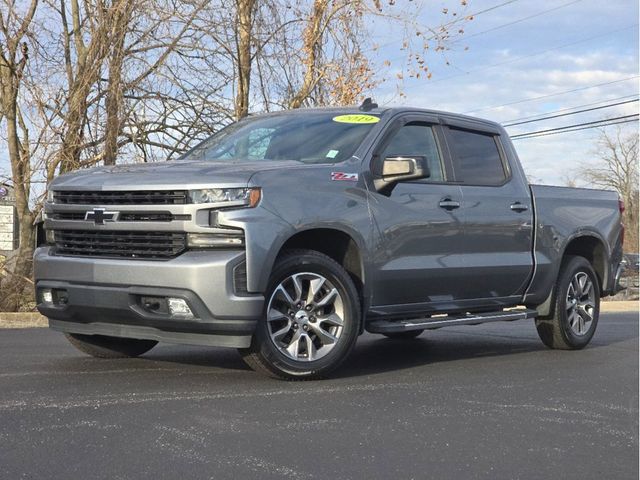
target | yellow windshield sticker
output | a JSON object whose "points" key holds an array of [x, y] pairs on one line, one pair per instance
{"points": [[355, 118]]}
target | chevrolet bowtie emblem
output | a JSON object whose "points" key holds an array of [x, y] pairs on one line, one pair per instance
{"points": [[99, 216]]}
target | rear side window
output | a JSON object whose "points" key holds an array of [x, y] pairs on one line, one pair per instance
{"points": [[476, 158]]}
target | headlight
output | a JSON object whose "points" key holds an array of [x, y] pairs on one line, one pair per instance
{"points": [[50, 196], [44, 237], [234, 196], [207, 240]]}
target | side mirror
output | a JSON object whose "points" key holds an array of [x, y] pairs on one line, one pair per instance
{"points": [[398, 168]]}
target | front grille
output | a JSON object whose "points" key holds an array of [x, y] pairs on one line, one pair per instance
{"points": [[119, 244], [126, 216], [142, 197], [68, 216]]}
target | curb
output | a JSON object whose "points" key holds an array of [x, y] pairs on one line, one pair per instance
{"points": [[22, 320], [29, 319], [620, 306]]}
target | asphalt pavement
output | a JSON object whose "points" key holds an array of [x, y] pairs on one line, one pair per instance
{"points": [[487, 401]]}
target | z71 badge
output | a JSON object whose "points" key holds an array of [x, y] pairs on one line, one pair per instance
{"points": [[348, 177]]}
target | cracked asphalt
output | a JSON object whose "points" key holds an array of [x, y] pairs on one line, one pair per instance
{"points": [[486, 402]]}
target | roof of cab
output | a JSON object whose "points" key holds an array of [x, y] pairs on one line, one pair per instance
{"points": [[393, 111]]}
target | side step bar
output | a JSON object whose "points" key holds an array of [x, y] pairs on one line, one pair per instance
{"points": [[391, 326]]}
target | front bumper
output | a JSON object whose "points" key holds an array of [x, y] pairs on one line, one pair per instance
{"points": [[105, 297]]}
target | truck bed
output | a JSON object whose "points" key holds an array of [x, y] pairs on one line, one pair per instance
{"points": [[560, 215]]}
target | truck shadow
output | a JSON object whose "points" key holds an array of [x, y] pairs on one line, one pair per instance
{"points": [[222, 358], [376, 354], [381, 355]]}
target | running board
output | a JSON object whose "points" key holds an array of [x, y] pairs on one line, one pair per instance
{"points": [[390, 326]]}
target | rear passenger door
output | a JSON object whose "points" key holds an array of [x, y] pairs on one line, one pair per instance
{"points": [[496, 215]]}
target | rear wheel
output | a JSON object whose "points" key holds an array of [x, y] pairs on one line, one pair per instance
{"points": [[577, 307], [311, 320], [101, 346], [408, 335]]}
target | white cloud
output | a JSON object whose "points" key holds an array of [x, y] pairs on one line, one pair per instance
{"points": [[523, 76]]}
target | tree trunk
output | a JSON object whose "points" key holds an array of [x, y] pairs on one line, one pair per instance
{"points": [[18, 269], [312, 40], [113, 103], [69, 153], [243, 40]]}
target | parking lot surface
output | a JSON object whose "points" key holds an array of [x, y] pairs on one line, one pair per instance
{"points": [[486, 401]]}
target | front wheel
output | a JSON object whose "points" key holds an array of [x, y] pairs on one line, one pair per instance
{"points": [[577, 307], [311, 320]]}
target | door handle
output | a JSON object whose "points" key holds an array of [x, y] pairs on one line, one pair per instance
{"points": [[519, 207], [448, 204]]}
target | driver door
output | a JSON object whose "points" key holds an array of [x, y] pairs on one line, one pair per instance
{"points": [[420, 226]]}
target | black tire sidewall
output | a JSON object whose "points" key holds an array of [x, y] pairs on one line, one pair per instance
{"points": [[572, 267], [313, 263]]}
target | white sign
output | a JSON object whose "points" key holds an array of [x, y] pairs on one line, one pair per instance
{"points": [[6, 227]]}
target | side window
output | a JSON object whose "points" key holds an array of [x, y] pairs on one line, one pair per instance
{"points": [[476, 158], [416, 139]]}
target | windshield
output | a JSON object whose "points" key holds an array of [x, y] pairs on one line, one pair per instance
{"points": [[310, 138]]}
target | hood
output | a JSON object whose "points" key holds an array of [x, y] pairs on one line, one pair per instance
{"points": [[170, 175]]}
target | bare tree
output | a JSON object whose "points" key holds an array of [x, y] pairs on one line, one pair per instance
{"points": [[94, 40], [110, 81], [322, 56], [14, 56], [617, 169], [53, 84]]}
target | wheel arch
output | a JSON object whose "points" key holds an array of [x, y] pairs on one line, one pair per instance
{"points": [[593, 248], [340, 244]]}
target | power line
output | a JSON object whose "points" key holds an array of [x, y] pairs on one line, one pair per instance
{"points": [[491, 8], [523, 57], [523, 19], [567, 127], [553, 94], [624, 117], [572, 108], [576, 129], [570, 113], [453, 22], [475, 14]]}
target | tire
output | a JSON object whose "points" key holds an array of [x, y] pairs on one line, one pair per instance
{"points": [[408, 335], [311, 318], [576, 307], [101, 346]]}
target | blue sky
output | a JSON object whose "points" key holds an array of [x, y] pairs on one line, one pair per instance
{"points": [[565, 45]]}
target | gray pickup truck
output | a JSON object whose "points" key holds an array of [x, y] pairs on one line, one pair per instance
{"points": [[288, 235]]}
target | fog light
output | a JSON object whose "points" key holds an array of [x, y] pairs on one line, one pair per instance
{"points": [[179, 308], [47, 295], [50, 237]]}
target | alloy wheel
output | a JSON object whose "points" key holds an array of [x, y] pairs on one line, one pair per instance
{"points": [[581, 303], [305, 316]]}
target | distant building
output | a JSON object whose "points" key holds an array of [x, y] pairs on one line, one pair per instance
{"points": [[8, 220]]}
